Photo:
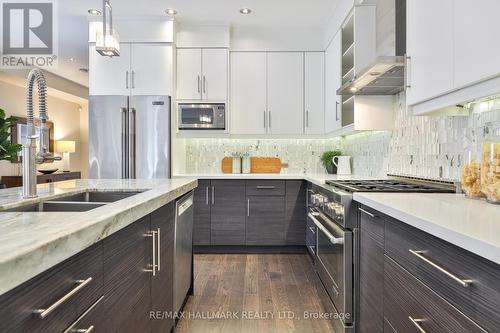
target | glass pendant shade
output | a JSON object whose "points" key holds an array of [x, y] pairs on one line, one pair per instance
{"points": [[107, 40]]}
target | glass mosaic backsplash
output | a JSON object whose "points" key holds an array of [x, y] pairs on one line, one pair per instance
{"points": [[428, 147], [302, 155]]}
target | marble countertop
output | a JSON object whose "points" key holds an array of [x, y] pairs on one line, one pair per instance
{"points": [[473, 225], [32, 242]]}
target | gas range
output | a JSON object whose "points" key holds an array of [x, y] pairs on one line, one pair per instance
{"points": [[333, 215], [390, 185]]}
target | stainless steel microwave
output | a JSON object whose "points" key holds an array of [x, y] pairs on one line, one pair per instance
{"points": [[194, 116]]}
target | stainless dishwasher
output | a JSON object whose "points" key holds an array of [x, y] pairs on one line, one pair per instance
{"points": [[183, 249]]}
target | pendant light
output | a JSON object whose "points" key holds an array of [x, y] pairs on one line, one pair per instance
{"points": [[107, 41]]}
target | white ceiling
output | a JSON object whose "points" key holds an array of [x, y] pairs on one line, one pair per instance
{"points": [[73, 19]]}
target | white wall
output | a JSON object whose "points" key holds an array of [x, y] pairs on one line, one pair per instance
{"points": [[65, 115]]}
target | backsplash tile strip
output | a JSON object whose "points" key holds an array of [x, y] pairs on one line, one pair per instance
{"points": [[428, 147]]}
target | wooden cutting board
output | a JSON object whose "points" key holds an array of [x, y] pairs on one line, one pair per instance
{"points": [[257, 165]]}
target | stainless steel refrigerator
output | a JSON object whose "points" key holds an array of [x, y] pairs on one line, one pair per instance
{"points": [[129, 137]]}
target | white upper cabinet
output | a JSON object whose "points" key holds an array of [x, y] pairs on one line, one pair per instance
{"points": [[215, 74], [453, 53], [189, 74], [333, 104], [109, 76], [314, 92], [202, 74], [429, 39], [476, 36], [151, 69], [141, 69], [248, 93], [285, 92]]}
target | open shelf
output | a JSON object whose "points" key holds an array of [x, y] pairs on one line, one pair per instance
{"points": [[349, 52], [347, 77], [348, 33], [347, 110]]}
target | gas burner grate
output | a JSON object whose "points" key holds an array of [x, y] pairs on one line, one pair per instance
{"points": [[387, 185]]}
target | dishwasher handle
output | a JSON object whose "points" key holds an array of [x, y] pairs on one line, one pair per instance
{"points": [[184, 204]]}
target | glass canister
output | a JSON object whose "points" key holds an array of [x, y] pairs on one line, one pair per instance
{"points": [[470, 176], [490, 163]]}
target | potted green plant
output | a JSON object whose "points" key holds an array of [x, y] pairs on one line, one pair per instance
{"points": [[326, 160], [8, 151]]}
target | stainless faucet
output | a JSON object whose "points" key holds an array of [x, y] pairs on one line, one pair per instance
{"points": [[30, 156]]}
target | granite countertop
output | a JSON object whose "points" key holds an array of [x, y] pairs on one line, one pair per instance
{"points": [[473, 225], [32, 242]]}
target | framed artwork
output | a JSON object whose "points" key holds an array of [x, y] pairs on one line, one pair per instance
{"points": [[19, 132]]}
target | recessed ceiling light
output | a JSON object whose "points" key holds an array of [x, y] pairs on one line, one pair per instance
{"points": [[245, 11], [171, 12], [354, 89], [94, 12]]}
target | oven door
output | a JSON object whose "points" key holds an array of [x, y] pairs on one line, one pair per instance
{"points": [[201, 116], [334, 264]]}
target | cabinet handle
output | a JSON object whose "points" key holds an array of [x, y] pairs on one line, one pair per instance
{"points": [[206, 196], [307, 119], [368, 213], [264, 187], [337, 111], [42, 313], [269, 112], [87, 330], [199, 89], [265, 119], [407, 71], [248, 207], [213, 195], [126, 79], [204, 84], [312, 230], [133, 79], [158, 248], [72, 328], [416, 323], [418, 254], [153, 266]]}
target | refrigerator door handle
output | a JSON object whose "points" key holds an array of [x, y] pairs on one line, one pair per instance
{"points": [[131, 143], [123, 112]]}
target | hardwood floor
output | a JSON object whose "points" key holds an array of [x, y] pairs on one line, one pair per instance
{"points": [[239, 286]]}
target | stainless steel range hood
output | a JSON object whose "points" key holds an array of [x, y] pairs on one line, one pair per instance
{"points": [[384, 77]]}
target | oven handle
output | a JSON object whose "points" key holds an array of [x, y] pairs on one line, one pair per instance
{"points": [[333, 240]]}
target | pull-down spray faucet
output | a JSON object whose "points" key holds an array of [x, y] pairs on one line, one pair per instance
{"points": [[29, 154]]}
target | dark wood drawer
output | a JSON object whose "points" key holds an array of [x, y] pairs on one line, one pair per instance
{"points": [[410, 305], [445, 268], [372, 224], [69, 289], [265, 187], [92, 320]]}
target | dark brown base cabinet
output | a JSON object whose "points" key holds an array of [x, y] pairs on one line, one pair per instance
{"points": [[250, 213], [403, 290], [120, 291]]}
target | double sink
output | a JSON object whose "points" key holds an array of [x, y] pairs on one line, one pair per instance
{"points": [[80, 202]]}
